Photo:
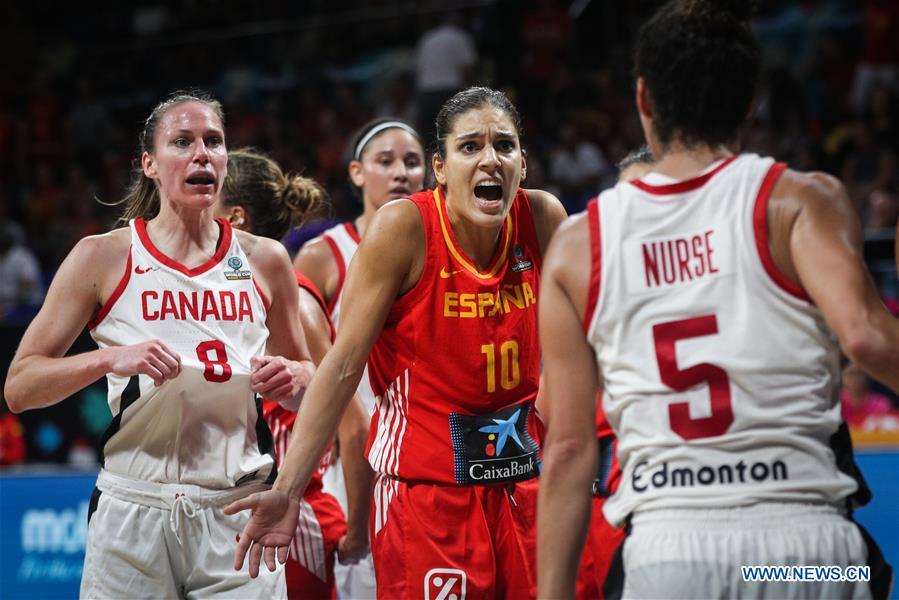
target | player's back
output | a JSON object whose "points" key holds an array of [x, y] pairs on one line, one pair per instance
{"points": [[720, 376]]}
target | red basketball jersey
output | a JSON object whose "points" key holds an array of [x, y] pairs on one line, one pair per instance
{"points": [[279, 419], [457, 365]]}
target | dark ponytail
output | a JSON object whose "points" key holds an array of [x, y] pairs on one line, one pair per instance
{"points": [[274, 201]]}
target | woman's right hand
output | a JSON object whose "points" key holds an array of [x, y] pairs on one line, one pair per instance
{"points": [[153, 359], [268, 532]]}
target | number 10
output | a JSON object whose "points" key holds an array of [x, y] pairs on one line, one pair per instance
{"points": [[509, 373]]}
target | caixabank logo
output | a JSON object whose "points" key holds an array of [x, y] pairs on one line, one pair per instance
{"points": [[494, 448]]}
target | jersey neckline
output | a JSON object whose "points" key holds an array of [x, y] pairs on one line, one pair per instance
{"points": [[222, 246], [459, 255], [686, 185]]}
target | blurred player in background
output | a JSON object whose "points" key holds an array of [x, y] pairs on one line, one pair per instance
{"points": [[441, 295], [258, 197], [388, 163], [707, 314], [183, 308]]}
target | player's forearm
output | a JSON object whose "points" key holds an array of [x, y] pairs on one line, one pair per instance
{"points": [[320, 412], [41, 381], [563, 514], [359, 477]]}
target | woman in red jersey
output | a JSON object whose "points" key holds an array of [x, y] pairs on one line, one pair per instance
{"points": [[258, 197], [183, 308], [442, 294], [388, 163]]}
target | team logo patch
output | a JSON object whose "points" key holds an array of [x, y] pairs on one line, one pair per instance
{"points": [[445, 584], [236, 272], [494, 448], [519, 262]]}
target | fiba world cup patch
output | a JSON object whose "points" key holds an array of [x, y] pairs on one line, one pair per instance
{"points": [[519, 262], [494, 448], [235, 270]]}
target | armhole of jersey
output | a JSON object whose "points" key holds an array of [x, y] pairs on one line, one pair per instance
{"points": [[265, 301], [341, 271], [760, 227], [595, 262], [428, 269], [351, 231], [305, 283], [528, 229], [119, 290]]}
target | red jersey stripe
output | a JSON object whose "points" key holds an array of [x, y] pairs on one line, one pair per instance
{"points": [[760, 226]]}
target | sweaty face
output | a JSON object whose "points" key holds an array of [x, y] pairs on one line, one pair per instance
{"points": [[483, 166], [392, 166], [189, 161]]}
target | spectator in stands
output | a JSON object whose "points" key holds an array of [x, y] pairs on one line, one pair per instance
{"points": [[445, 60], [21, 287], [577, 166]]}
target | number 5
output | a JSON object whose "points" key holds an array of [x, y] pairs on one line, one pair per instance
{"points": [[665, 336]]}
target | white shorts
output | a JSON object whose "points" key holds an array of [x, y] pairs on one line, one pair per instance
{"points": [[697, 553], [151, 540], [355, 581]]}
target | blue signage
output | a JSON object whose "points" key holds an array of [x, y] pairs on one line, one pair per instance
{"points": [[43, 530]]}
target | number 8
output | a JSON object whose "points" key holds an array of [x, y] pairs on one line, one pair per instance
{"points": [[221, 360]]}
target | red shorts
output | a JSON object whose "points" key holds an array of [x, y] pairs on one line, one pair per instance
{"points": [[602, 543], [432, 541], [310, 566]]}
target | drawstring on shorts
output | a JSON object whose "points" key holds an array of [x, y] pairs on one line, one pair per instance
{"points": [[182, 505]]}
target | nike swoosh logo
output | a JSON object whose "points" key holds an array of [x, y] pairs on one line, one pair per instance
{"points": [[444, 274], [140, 271]]}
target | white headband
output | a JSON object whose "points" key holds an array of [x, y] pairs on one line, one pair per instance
{"points": [[378, 129]]}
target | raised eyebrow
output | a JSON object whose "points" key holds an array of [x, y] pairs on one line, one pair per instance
{"points": [[477, 134], [469, 135]]}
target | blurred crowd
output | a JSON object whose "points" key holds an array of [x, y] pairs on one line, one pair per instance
{"points": [[297, 80]]}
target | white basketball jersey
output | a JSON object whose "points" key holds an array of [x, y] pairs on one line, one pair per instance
{"points": [[343, 240], [720, 376], [204, 427]]}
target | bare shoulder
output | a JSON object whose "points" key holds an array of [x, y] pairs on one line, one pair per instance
{"points": [[571, 243], [314, 255], [797, 190], [104, 246], [394, 243], [545, 204], [398, 218], [548, 214], [263, 253], [317, 262], [100, 259]]}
